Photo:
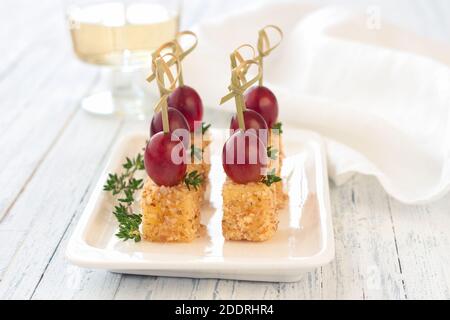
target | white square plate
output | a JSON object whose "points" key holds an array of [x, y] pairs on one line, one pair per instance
{"points": [[304, 239]]}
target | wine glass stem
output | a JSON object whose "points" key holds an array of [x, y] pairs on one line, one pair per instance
{"points": [[128, 95]]}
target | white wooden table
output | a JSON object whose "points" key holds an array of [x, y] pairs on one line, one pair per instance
{"points": [[51, 154]]}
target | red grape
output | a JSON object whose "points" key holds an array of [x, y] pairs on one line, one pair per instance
{"points": [[176, 121], [186, 100], [164, 159], [263, 101], [252, 120], [244, 157]]}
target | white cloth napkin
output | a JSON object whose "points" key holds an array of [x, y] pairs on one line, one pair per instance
{"points": [[378, 95]]}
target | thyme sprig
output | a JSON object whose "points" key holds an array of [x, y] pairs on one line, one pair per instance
{"points": [[196, 152], [278, 127], [123, 186], [272, 153], [205, 127], [270, 178], [128, 223], [193, 179]]}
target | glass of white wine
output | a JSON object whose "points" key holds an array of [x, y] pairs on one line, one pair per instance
{"points": [[119, 37]]}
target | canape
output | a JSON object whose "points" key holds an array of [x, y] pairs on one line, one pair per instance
{"points": [[249, 211], [249, 196], [263, 101], [172, 197], [249, 192], [170, 214]]}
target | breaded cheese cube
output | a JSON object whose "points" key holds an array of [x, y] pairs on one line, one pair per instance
{"points": [[170, 214], [248, 211]]}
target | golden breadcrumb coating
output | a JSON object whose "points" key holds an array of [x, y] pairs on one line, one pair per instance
{"points": [[248, 211], [170, 214]]}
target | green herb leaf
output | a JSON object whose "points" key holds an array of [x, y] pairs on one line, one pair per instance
{"points": [[193, 179], [272, 153], [278, 127], [128, 197], [124, 186], [205, 127], [270, 178], [138, 162], [196, 152], [145, 146], [128, 164]]}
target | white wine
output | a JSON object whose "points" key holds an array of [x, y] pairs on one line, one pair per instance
{"points": [[118, 34]]}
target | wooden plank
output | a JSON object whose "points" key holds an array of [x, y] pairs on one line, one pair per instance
{"points": [[309, 287], [423, 242], [37, 125], [21, 88], [17, 16], [57, 191], [366, 264], [256, 290], [33, 112], [369, 266], [133, 287], [62, 280]]}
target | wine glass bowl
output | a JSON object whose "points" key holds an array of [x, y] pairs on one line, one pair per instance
{"points": [[119, 37]]}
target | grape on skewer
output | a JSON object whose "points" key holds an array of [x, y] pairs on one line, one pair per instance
{"points": [[249, 211], [184, 98], [260, 98], [170, 200]]}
